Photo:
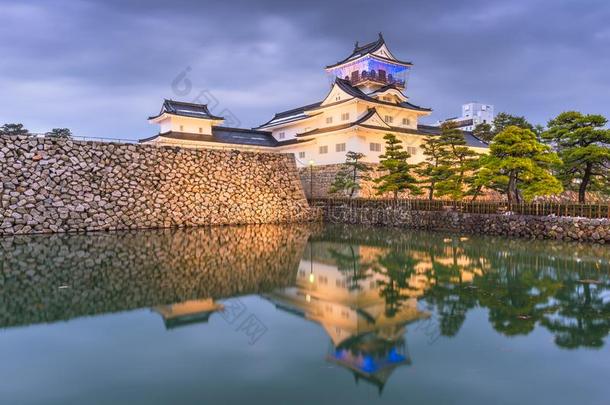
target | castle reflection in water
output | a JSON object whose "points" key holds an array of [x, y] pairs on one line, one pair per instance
{"points": [[364, 292], [365, 287], [364, 311]]}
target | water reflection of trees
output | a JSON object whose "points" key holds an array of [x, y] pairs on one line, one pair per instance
{"points": [[396, 269], [564, 288], [352, 265]]}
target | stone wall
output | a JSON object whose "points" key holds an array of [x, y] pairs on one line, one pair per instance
{"points": [[324, 175], [316, 180], [55, 185], [526, 226], [46, 278]]}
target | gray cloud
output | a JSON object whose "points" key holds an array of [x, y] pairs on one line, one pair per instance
{"points": [[102, 67]]}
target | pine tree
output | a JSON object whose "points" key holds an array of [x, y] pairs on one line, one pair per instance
{"points": [[348, 179], [397, 170], [584, 147], [484, 132], [59, 133], [505, 120], [428, 170], [487, 131], [519, 165], [457, 160], [13, 129]]}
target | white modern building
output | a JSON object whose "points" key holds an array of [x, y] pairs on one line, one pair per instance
{"points": [[473, 114], [367, 100]]}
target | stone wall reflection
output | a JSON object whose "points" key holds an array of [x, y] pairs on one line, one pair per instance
{"points": [[58, 277]]}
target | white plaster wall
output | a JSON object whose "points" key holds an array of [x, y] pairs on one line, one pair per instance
{"points": [[186, 124], [356, 140]]}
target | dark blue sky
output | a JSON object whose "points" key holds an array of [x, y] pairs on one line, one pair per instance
{"points": [[102, 67]]}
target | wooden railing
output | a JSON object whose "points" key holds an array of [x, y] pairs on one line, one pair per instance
{"points": [[473, 207]]}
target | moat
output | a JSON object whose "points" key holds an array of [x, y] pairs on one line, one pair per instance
{"points": [[302, 314]]}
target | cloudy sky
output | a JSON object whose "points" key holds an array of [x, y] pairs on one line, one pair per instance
{"points": [[102, 67]]}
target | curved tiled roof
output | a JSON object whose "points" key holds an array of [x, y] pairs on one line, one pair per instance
{"points": [[386, 88], [297, 114], [294, 114], [346, 86], [185, 109], [369, 114], [471, 139], [367, 49], [423, 130], [228, 135]]}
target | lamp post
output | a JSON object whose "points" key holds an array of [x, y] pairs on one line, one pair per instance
{"points": [[311, 163]]}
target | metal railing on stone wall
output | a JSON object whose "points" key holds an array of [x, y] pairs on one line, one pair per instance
{"points": [[597, 210], [181, 144]]}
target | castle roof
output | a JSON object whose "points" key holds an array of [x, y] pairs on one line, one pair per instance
{"points": [[368, 49], [228, 135], [346, 86], [471, 139], [300, 113], [369, 114], [423, 130], [185, 109], [295, 114]]}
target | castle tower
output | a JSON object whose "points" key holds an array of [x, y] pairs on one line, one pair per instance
{"points": [[371, 66]]}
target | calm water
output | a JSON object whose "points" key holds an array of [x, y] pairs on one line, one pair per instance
{"points": [[299, 314]]}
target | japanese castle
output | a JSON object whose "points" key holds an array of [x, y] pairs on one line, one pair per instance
{"points": [[366, 101]]}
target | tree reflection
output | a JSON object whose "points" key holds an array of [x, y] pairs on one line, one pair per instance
{"points": [[564, 288], [581, 315], [352, 265], [396, 268]]}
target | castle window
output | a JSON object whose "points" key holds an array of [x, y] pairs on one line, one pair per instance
{"points": [[355, 76], [389, 119], [301, 155], [387, 98], [329, 120], [281, 135], [200, 130], [340, 147], [412, 150], [323, 149], [405, 121], [375, 147], [337, 97], [381, 74], [344, 116], [181, 128]]}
